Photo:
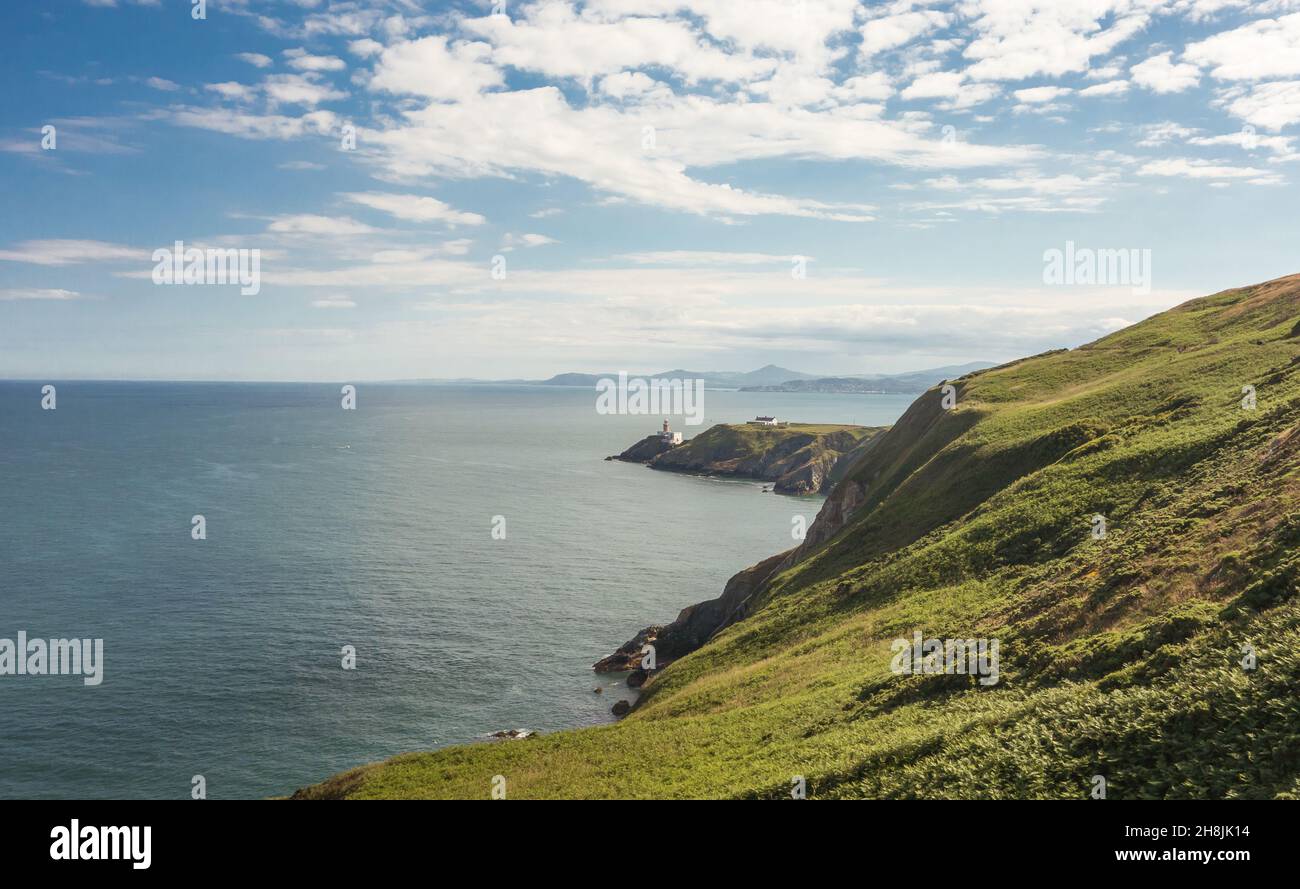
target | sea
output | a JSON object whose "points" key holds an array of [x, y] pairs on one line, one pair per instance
{"points": [[466, 547]]}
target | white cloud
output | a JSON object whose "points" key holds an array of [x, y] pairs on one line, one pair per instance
{"points": [[1156, 134], [1039, 94], [38, 293], [1265, 49], [1161, 76], [1247, 140], [414, 208], [950, 85], [892, 31], [333, 303], [800, 31], [855, 321], [299, 89], [601, 145], [1017, 39], [1110, 71], [1195, 168], [365, 47], [162, 83], [870, 87], [312, 224], [70, 252], [593, 47], [632, 84], [256, 59], [1025, 192], [1202, 10], [430, 67], [1109, 88], [705, 257], [511, 241], [472, 126], [301, 60], [232, 90], [1272, 106], [247, 125]]}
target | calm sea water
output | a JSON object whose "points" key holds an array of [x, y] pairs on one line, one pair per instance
{"points": [[326, 528]]}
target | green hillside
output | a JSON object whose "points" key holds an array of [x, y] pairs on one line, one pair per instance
{"points": [[1120, 656]]}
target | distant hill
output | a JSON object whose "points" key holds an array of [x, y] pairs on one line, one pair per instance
{"points": [[769, 378], [714, 379], [571, 379], [911, 383]]}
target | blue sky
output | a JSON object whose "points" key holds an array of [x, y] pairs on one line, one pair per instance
{"points": [[646, 170]]}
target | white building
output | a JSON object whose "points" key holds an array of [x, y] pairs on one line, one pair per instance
{"points": [[673, 438], [765, 421]]}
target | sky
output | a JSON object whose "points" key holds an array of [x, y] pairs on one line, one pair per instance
{"points": [[516, 189]]}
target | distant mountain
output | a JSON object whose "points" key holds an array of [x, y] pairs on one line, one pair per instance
{"points": [[841, 385], [769, 374], [769, 378], [910, 383], [714, 379], [571, 379]]}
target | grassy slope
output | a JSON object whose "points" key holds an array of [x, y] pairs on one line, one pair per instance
{"points": [[1120, 656]]}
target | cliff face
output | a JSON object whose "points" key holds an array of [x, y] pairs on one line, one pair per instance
{"points": [[695, 624], [909, 455], [797, 458], [1123, 519], [645, 450]]}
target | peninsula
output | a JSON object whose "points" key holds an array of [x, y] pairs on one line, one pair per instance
{"points": [[798, 458]]}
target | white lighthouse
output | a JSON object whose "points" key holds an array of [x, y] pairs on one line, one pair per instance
{"points": [[672, 438]]}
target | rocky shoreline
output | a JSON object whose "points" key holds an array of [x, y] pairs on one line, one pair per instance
{"points": [[696, 624]]}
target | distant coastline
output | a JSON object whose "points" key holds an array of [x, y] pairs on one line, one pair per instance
{"points": [[769, 378]]}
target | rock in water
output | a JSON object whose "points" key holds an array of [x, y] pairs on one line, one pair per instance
{"points": [[514, 734], [628, 656], [620, 708]]}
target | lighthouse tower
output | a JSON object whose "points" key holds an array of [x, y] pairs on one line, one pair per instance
{"points": [[672, 438]]}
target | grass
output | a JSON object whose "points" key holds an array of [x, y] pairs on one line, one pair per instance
{"points": [[1120, 656]]}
